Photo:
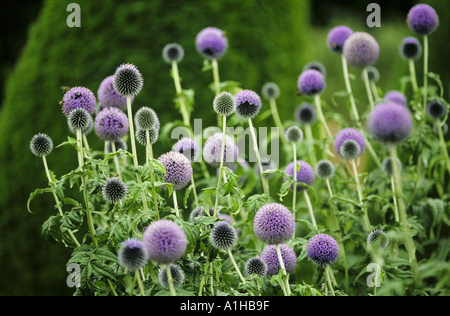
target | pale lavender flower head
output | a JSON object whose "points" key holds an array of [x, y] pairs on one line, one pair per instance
{"points": [[270, 257], [348, 134], [273, 223], [396, 97], [361, 50], [213, 149], [178, 169], [188, 147], [108, 96], [311, 82], [390, 123], [410, 48], [248, 103], [164, 241], [322, 250], [211, 43], [304, 175], [336, 38], [111, 124], [78, 97], [422, 19], [132, 255]]}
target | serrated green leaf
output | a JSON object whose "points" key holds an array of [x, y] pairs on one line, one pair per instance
{"points": [[33, 194]]}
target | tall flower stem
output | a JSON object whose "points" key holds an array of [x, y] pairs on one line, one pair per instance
{"points": [[170, 280], [152, 177], [176, 79], [258, 157], [294, 195], [276, 118], [222, 158], [442, 144], [215, 69], [327, 271], [139, 281], [311, 212], [310, 139], [194, 190], [360, 195], [412, 72], [368, 91], [425, 77], [116, 160], [235, 266], [322, 117], [397, 218], [86, 143], [175, 202], [280, 259], [375, 91]]}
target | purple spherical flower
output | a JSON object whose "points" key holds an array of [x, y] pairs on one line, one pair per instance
{"points": [[78, 97], [348, 134], [422, 19], [304, 175], [164, 241], [390, 123], [111, 124], [213, 149], [336, 38], [311, 82], [188, 147], [108, 96], [396, 97], [211, 43], [322, 250], [361, 50], [410, 48], [132, 255], [248, 103], [273, 224], [270, 257], [178, 169]]}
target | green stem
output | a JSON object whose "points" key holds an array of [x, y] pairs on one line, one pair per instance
{"points": [[360, 195], [311, 212], [152, 177], [442, 144], [116, 160], [397, 219], [375, 91], [276, 118], [235, 266], [176, 79], [349, 88], [139, 281], [222, 158], [175, 202], [309, 137], [258, 157], [280, 259], [170, 280], [215, 69], [294, 196], [327, 270], [111, 287], [86, 142], [412, 72], [367, 84], [321, 117], [194, 190], [425, 77]]}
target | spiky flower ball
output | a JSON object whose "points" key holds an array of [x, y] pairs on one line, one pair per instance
{"points": [[188, 147], [213, 149], [132, 255], [79, 119], [178, 169], [270, 90], [164, 241], [311, 82], [273, 223], [255, 265], [372, 73], [78, 97], [386, 166], [145, 118], [293, 134], [173, 52], [324, 169], [41, 145], [350, 150], [114, 190], [224, 103], [422, 19], [306, 114], [270, 257], [119, 144], [361, 50], [223, 236], [378, 237], [211, 43], [322, 250], [141, 136], [345, 134], [410, 48], [337, 37], [111, 124], [200, 211], [109, 97], [248, 104], [85, 131], [390, 123], [316, 66], [177, 276], [436, 110], [128, 80], [396, 97], [304, 175]]}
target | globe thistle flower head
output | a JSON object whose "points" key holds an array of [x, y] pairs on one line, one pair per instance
{"points": [[396, 97], [255, 265], [141, 136], [114, 190], [178, 169], [109, 97], [324, 169], [200, 211], [213, 149], [270, 257], [224, 103], [223, 236], [361, 50], [164, 241], [119, 144], [322, 250], [145, 118], [337, 37], [41, 145], [378, 237], [422, 19], [410, 48], [248, 104], [177, 276], [390, 123], [273, 223], [132, 255], [293, 134], [128, 80], [346, 134], [211, 43], [306, 114], [78, 97], [188, 147], [350, 150], [173, 52], [85, 131], [316, 66], [304, 175], [79, 119], [311, 82], [270, 90], [386, 166], [436, 110], [372, 73], [111, 124]]}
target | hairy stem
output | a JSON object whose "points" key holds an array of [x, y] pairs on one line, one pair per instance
{"points": [[276, 118], [360, 195], [311, 212], [280, 259], [425, 77], [170, 280], [309, 137], [368, 91], [327, 270], [116, 160], [412, 72], [176, 79], [294, 196], [222, 158], [258, 157]]}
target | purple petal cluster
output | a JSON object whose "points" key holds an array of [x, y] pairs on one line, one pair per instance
{"points": [[305, 174], [248, 103], [188, 147], [322, 250], [211, 43], [78, 97], [213, 149], [111, 124], [336, 38], [178, 169], [422, 19], [396, 97], [410, 48], [361, 50], [346, 134], [311, 82], [132, 255], [273, 224], [108, 96], [270, 257]]}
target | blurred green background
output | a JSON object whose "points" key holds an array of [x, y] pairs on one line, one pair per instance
{"points": [[268, 41]]}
